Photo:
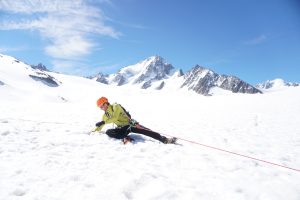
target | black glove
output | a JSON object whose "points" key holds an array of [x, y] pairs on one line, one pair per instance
{"points": [[100, 123]]}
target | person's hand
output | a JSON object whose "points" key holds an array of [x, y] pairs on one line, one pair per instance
{"points": [[96, 130], [99, 123]]}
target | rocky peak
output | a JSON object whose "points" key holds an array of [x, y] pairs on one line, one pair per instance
{"points": [[40, 66], [102, 78], [202, 80], [156, 68], [179, 73], [146, 72], [236, 85]]}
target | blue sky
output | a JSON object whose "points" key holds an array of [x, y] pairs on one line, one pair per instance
{"points": [[255, 40]]}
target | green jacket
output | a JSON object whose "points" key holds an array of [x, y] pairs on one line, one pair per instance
{"points": [[115, 114]]}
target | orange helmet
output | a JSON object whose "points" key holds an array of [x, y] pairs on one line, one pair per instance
{"points": [[101, 101]]}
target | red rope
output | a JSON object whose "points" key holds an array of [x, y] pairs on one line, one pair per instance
{"points": [[245, 156]]}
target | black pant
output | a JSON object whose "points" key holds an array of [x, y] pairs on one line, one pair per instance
{"points": [[122, 132]]}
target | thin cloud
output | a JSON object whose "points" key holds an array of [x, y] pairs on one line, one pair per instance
{"points": [[67, 25], [257, 40]]}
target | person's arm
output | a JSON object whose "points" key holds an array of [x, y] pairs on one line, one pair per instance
{"points": [[99, 125]]}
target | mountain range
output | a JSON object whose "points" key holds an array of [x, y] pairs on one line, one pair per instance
{"points": [[275, 84], [156, 73], [153, 73]]}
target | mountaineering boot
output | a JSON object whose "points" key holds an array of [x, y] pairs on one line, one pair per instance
{"points": [[127, 139], [171, 140]]}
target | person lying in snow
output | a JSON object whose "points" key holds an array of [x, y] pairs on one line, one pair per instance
{"points": [[116, 114]]}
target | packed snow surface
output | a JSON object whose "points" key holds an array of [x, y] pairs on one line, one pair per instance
{"points": [[47, 153]]}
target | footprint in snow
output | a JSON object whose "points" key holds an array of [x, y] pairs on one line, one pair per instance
{"points": [[5, 133], [19, 192]]}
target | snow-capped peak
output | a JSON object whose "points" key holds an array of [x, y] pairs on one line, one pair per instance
{"points": [[276, 84], [143, 65], [144, 73]]}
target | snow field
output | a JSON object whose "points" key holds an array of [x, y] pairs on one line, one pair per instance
{"points": [[46, 153]]}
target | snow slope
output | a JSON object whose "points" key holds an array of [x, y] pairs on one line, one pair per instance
{"points": [[46, 152]]}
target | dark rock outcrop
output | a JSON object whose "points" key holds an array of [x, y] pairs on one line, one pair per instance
{"points": [[45, 79]]}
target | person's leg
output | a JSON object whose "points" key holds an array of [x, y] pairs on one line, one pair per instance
{"points": [[149, 133], [118, 133]]}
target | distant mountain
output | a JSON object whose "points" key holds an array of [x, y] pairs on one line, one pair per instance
{"points": [[144, 74], [202, 80], [276, 84], [40, 66], [19, 80], [102, 78], [19, 69], [154, 72]]}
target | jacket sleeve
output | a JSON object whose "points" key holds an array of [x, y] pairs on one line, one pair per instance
{"points": [[99, 125], [103, 122], [99, 128]]}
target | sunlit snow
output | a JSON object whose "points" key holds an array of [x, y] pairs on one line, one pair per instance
{"points": [[47, 153]]}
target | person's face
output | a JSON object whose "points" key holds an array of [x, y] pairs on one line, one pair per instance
{"points": [[104, 106]]}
